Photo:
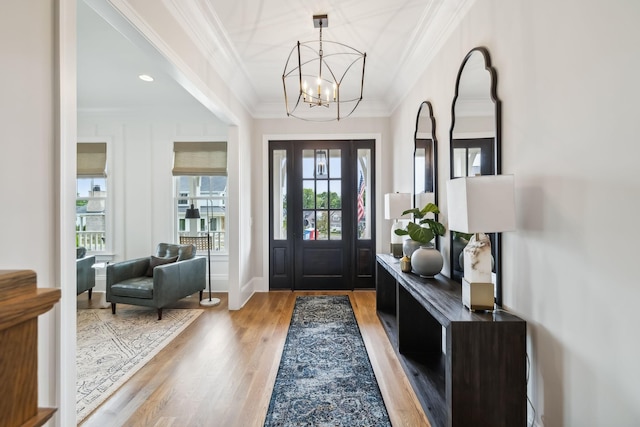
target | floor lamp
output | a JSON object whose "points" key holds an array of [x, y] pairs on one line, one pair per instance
{"points": [[194, 213]]}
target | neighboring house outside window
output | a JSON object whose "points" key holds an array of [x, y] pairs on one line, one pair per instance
{"points": [[209, 195]]}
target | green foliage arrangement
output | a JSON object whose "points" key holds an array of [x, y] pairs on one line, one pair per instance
{"points": [[419, 232]]}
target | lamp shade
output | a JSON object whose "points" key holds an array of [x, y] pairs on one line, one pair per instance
{"points": [[481, 204], [395, 204], [192, 213]]}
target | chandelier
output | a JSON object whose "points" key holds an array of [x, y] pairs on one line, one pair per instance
{"points": [[323, 80]]}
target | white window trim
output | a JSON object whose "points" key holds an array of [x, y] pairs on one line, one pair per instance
{"points": [[191, 199], [109, 214]]}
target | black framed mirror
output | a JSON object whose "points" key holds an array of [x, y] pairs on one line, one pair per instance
{"points": [[425, 154], [475, 144]]}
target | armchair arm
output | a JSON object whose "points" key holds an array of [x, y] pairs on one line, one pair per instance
{"points": [[172, 282], [85, 275]]}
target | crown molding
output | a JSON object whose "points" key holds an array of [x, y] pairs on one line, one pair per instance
{"points": [[366, 109], [122, 16], [436, 25], [202, 24]]}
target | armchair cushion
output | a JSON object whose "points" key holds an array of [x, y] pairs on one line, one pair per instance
{"points": [[81, 251], [137, 287], [155, 261], [168, 250]]}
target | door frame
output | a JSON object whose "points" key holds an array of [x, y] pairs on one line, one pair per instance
{"points": [[263, 286]]}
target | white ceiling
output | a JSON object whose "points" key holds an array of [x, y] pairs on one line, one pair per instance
{"points": [[248, 42]]}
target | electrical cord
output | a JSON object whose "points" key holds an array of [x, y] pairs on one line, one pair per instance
{"points": [[529, 402], [533, 409]]}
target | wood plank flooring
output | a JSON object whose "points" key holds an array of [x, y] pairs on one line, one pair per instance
{"points": [[220, 371]]}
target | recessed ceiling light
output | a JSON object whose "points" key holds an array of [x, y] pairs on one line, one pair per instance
{"points": [[145, 77]]}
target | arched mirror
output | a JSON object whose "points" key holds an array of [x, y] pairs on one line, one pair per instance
{"points": [[424, 159], [475, 143]]}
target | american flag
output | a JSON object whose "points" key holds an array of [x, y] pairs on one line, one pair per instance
{"points": [[361, 188]]}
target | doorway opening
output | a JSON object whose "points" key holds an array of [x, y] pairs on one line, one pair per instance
{"points": [[321, 215]]}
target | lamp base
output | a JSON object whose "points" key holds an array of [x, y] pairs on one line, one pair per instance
{"points": [[210, 302], [477, 295]]}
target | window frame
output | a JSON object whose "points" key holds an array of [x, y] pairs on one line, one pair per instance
{"points": [[108, 247], [201, 201]]}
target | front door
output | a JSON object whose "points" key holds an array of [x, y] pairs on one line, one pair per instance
{"points": [[321, 216]]}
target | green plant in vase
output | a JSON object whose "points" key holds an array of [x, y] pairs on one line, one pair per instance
{"points": [[425, 261], [418, 231]]}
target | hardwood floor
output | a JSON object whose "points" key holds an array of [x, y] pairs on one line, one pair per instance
{"points": [[220, 371]]}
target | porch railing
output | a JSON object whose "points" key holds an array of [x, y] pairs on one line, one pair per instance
{"points": [[217, 238], [92, 240]]}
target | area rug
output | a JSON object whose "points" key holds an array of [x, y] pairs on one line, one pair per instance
{"points": [[111, 348], [325, 377]]}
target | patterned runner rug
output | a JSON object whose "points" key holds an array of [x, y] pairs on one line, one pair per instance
{"points": [[325, 377], [110, 349]]}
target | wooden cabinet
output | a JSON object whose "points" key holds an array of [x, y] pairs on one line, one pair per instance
{"points": [[21, 302], [466, 368]]}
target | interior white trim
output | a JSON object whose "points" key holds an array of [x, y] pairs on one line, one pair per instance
{"points": [[433, 32], [126, 20], [207, 32], [65, 353]]}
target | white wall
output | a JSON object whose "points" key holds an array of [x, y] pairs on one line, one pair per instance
{"points": [[568, 80], [139, 172], [29, 186]]}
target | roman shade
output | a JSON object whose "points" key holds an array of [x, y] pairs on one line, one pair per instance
{"points": [[199, 158], [92, 159]]}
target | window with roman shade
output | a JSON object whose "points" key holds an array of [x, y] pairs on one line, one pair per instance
{"points": [[200, 179], [92, 159], [200, 158], [92, 197]]}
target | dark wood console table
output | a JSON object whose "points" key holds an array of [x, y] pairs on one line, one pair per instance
{"points": [[466, 368]]}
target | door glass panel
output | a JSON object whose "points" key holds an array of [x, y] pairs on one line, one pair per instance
{"points": [[419, 159], [473, 162], [459, 162], [308, 194], [322, 169], [335, 225], [322, 225], [279, 192], [322, 195], [335, 164], [335, 194], [308, 164], [308, 225], [363, 192]]}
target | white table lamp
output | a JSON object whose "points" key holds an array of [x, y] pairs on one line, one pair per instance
{"points": [[394, 205], [478, 205]]}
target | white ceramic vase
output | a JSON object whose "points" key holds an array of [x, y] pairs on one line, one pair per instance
{"points": [[409, 246], [426, 261]]}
